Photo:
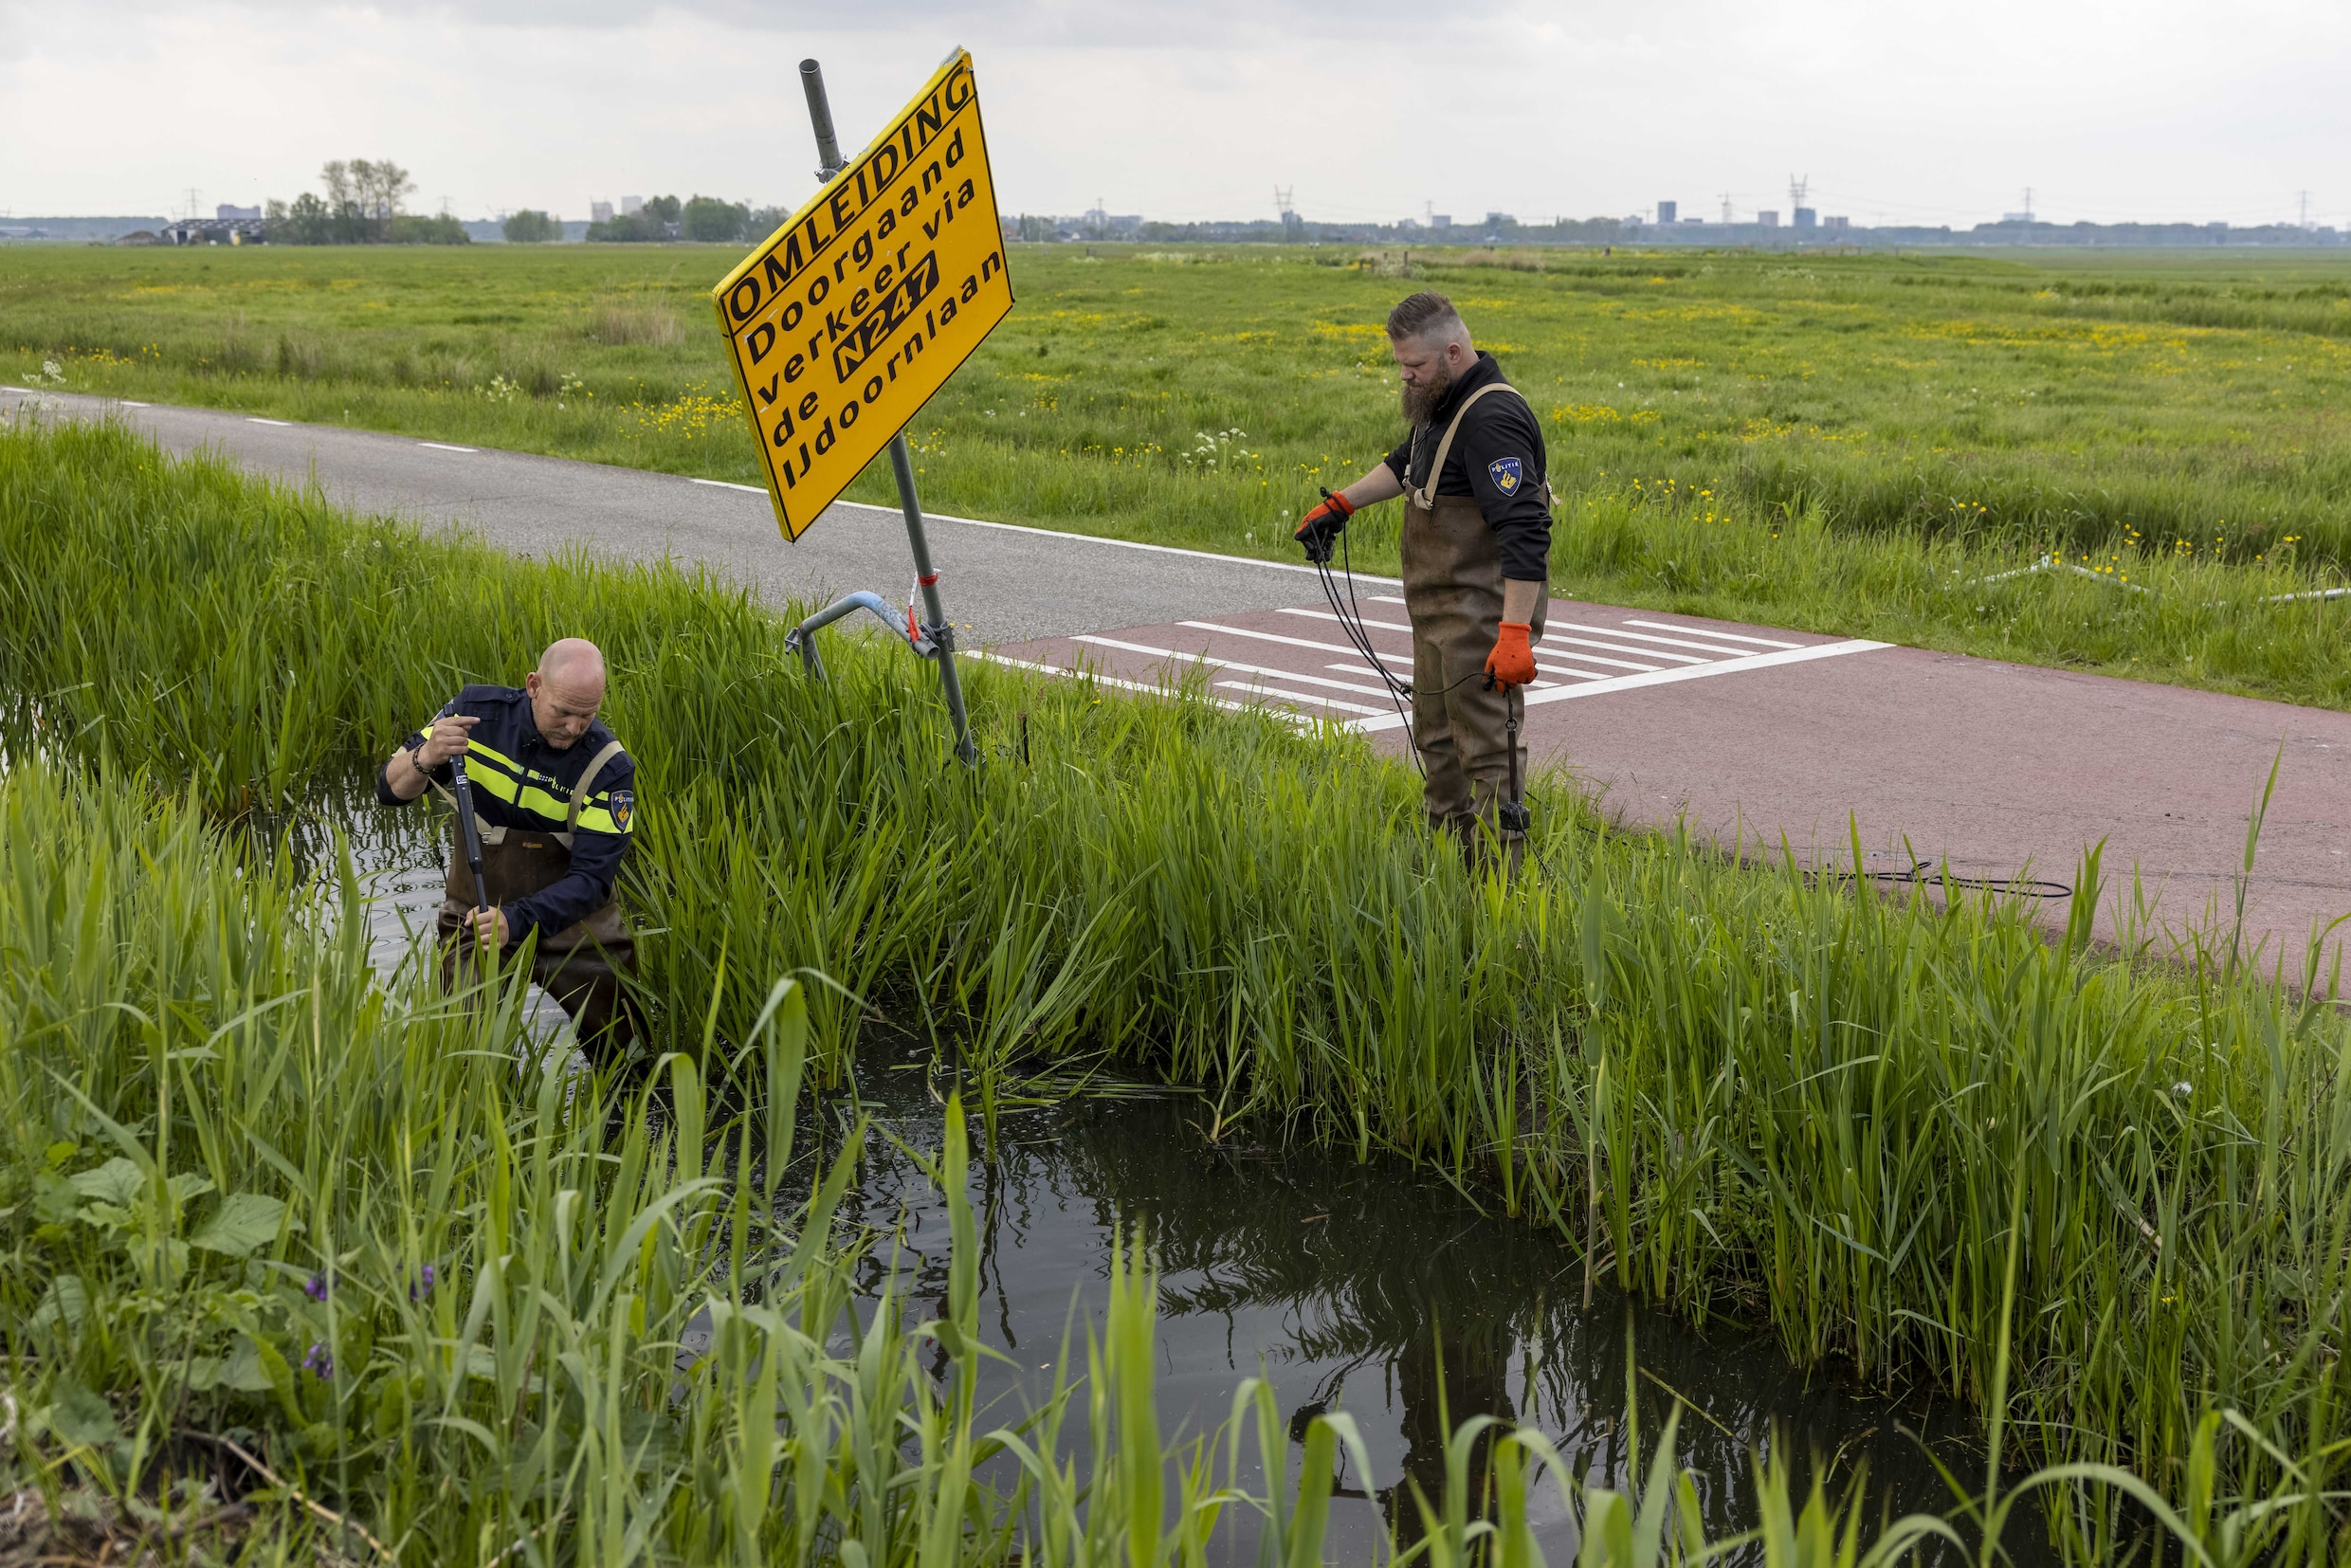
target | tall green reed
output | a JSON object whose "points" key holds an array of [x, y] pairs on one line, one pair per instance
{"points": [[1730, 1087], [262, 1211]]}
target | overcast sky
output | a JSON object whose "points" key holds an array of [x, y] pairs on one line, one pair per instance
{"points": [[1186, 109]]}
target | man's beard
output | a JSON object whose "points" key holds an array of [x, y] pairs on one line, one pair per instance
{"points": [[1420, 402]]}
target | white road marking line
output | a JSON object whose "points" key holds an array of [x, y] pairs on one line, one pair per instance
{"points": [[132, 403], [1645, 637], [1656, 626], [444, 447], [1539, 685], [1543, 647], [256, 419], [1116, 544], [1579, 674], [1106, 680], [1618, 663], [723, 484], [1299, 697], [1227, 663], [1724, 636], [1550, 637], [1267, 636], [1326, 615], [1667, 677]]}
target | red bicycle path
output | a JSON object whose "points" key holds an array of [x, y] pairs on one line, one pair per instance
{"points": [[1759, 737]]}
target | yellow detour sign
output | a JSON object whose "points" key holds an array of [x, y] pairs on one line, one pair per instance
{"points": [[850, 316]]}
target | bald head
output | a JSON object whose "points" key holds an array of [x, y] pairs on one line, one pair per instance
{"points": [[566, 689], [572, 659]]}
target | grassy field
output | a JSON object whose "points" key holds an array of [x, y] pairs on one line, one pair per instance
{"points": [[1870, 1120], [1847, 444]]}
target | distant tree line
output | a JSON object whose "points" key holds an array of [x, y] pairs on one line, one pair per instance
{"points": [[361, 205], [706, 220], [532, 227]]}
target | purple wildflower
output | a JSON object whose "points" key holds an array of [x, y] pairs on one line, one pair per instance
{"points": [[320, 1362], [316, 1287], [422, 1285]]}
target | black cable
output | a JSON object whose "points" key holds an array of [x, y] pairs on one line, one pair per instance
{"points": [[1923, 874], [1514, 813], [1349, 615], [1350, 618]]}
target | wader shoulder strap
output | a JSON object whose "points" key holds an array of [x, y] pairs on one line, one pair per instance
{"points": [[1424, 495], [586, 787]]}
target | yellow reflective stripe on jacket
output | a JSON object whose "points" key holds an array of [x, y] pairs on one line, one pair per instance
{"points": [[477, 749], [499, 781], [594, 813], [597, 820]]}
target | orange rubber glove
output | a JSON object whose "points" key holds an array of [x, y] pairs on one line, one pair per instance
{"points": [[1319, 527], [1512, 662]]}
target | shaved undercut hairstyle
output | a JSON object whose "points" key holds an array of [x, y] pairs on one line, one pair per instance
{"points": [[1429, 316]]}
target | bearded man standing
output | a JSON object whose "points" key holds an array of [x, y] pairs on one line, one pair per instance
{"points": [[1477, 554], [555, 795]]}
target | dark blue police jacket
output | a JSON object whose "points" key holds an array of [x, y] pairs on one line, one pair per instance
{"points": [[521, 781]]}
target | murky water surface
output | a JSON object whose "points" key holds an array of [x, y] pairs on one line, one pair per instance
{"points": [[1371, 1288]]}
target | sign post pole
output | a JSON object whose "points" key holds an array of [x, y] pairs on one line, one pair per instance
{"points": [[902, 465]]}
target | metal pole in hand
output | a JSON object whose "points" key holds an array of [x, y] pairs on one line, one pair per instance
{"points": [[902, 463], [468, 833]]}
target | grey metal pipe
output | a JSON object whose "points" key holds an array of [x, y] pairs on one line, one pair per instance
{"points": [[802, 638], [820, 115], [950, 684]]}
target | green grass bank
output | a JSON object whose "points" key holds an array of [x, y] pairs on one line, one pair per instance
{"points": [[2173, 419], [1865, 1119], [302, 1270]]}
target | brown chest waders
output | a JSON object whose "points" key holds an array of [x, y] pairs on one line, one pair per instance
{"points": [[579, 966], [1465, 731]]}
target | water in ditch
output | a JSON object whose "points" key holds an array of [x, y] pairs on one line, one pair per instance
{"points": [[1370, 1288]]}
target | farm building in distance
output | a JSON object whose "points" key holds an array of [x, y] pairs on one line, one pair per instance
{"points": [[228, 225]]}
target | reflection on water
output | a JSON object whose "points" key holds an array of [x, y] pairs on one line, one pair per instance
{"points": [[400, 858], [1371, 1288]]}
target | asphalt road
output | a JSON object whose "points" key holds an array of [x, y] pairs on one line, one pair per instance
{"points": [[999, 583], [1760, 737]]}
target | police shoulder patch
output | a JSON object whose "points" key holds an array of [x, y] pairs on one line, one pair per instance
{"points": [[623, 801], [1508, 474]]}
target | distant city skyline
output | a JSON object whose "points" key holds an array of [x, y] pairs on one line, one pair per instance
{"points": [[2160, 112]]}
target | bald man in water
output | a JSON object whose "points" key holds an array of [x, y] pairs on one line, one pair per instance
{"points": [[555, 797]]}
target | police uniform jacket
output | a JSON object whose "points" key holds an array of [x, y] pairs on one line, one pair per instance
{"points": [[521, 781], [1497, 458]]}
